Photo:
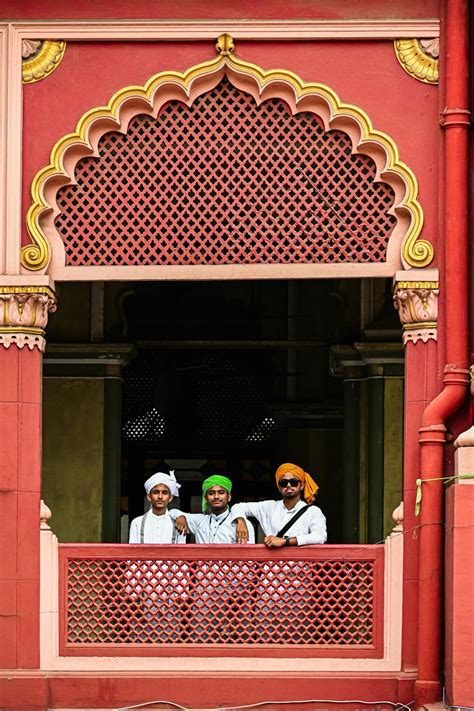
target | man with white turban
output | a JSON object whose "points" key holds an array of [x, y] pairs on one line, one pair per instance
{"points": [[158, 587], [156, 525]]}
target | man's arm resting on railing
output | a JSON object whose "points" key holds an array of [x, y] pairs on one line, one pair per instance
{"points": [[280, 541], [239, 512], [185, 522]]}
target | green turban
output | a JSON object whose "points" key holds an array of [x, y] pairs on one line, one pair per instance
{"points": [[216, 480]]}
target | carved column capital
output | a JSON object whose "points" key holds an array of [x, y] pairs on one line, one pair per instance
{"points": [[24, 314], [417, 305]]}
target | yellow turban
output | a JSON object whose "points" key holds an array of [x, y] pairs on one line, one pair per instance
{"points": [[310, 487]]}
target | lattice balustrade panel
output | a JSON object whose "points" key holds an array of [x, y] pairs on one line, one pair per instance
{"points": [[214, 602], [225, 182]]}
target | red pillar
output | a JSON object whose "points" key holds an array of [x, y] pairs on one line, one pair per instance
{"points": [[20, 483], [23, 317], [420, 387], [455, 284]]}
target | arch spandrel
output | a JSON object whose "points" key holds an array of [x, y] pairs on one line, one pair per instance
{"points": [[47, 251]]}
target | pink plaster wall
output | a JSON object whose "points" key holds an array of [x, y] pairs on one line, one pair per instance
{"points": [[191, 9], [460, 593]]}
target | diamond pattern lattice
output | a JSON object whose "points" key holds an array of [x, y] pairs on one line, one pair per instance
{"points": [[225, 182], [220, 601]]}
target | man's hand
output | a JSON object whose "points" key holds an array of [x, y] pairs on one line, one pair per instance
{"points": [[181, 525], [274, 542], [241, 531]]}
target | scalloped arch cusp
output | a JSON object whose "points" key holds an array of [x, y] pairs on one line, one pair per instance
{"points": [[198, 80]]}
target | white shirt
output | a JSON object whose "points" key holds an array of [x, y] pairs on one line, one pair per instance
{"points": [[209, 528], [309, 529], [158, 529]]}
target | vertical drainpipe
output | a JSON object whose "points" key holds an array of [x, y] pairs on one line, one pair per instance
{"points": [[455, 120]]}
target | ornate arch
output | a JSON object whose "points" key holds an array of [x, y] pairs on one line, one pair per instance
{"points": [[46, 252]]}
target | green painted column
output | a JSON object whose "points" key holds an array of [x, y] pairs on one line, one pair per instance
{"points": [[112, 454], [82, 439], [351, 454], [375, 454], [373, 437], [393, 449]]}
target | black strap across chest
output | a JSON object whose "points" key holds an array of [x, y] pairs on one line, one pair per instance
{"points": [[292, 520]]}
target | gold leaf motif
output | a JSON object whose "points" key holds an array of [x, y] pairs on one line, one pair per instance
{"points": [[225, 45], [418, 60], [43, 62]]}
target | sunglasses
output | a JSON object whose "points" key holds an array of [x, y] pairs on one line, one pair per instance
{"points": [[283, 483]]}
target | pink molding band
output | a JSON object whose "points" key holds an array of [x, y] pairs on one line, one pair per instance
{"points": [[239, 29]]}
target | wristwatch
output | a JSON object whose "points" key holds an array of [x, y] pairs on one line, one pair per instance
{"points": [[287, 540]]}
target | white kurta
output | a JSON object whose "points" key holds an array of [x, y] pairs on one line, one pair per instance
{"points": [[158, 529], [159, 587], [309, 529], [278, 585], [209, 528]]}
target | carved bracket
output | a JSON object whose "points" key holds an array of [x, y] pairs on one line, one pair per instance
{"points": [[417, 305], [24, 314]]}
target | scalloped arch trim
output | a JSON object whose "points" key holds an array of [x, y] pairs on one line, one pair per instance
{"points": [[166, 86]]}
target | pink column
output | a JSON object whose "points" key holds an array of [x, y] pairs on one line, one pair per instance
{"points": [[23, 315], [417, 303], [420, 388], [459, 594]]}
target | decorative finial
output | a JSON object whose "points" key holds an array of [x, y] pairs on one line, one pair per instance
{"points": [[45, 515], [225, 45], [398, 517], [465, 439]]}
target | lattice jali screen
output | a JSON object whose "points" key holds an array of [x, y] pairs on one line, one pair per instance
{"points": [[198, 598], [222, 397], [225, 182]]}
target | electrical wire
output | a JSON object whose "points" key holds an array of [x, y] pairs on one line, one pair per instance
{"points": [[396, 705]]}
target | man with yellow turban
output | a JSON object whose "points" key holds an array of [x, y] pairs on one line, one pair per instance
{"points": [[291, 521], [214, 524]]}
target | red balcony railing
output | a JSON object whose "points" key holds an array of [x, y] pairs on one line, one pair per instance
{"points": [[320, 601]]}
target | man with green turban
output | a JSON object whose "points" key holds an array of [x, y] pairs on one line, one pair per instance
{"points": [[214, 524]]}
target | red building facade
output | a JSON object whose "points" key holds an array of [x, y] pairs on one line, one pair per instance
{"points": [[140, 149]]}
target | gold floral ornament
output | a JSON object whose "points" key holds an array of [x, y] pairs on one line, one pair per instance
{"points": [[40, 58], [225, 45], [414, 252], [419, 58]]}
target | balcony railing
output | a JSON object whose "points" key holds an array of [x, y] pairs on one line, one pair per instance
{"points": [[315, 601]]}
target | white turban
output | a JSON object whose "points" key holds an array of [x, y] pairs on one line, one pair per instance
{"points": [[168, 480]]}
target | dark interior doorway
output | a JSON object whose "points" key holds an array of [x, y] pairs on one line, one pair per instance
{"points": [[233, 377]]}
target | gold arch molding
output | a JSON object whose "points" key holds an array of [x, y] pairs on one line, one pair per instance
{"points": [[166, 86]]}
